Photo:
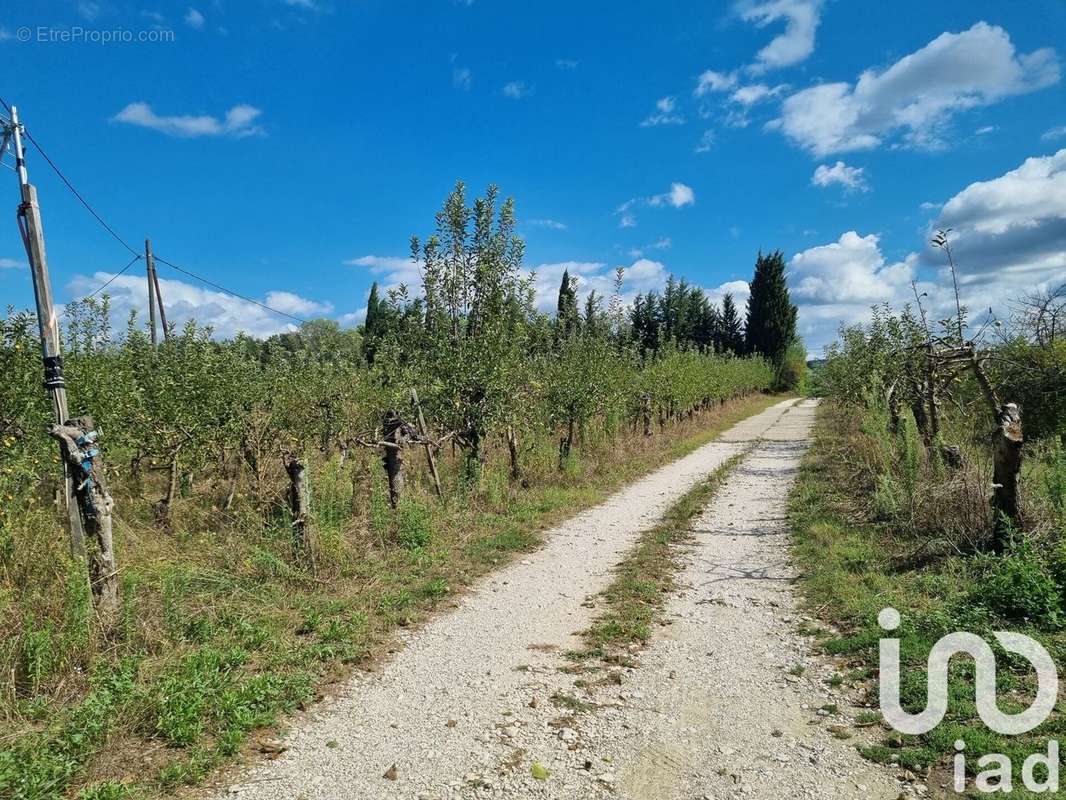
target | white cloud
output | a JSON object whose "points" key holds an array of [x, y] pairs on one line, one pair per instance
{"points": [[796, 43], [297, 306], [665, 243], [755, 93], [516, 90], [238, 122], [851, 178], [226, 314], [929, 206], [665, 114], [307, 5], [1008, 234], [739, 289], [393, 270], [985, 130], [918, 95], [547, 223], [1054, 133], [10, 263], [679, 196], [194, 19], [712, 81], [462, 78], [839, 282], [642, 276], [706, 142], [566, 63]]}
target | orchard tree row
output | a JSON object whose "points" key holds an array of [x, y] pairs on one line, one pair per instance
{"points": [[464, 362]]}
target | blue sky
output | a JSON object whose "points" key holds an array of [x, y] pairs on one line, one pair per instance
{"points": [[289, 148]]}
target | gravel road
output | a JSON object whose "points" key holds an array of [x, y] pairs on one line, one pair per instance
{"points": [[476, 702]]}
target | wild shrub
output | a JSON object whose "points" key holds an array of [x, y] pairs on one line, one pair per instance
{"points": [[1018, 587]]}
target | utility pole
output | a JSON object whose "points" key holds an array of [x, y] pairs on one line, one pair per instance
{"points": [[88, 502], [29, 222], [150, 264]]}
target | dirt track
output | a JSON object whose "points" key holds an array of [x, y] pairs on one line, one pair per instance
{"points": [[474, 699]]}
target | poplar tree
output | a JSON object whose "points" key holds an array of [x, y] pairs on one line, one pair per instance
{"points": [[771, 324]]}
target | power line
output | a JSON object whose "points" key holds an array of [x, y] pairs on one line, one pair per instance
{"points": [[102, 286], [70, 186], [136, 254], [110, 280], [221, 288]]}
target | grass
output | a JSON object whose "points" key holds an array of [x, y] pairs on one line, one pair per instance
{"points": [[223, 635], [635, 599], [856, 561]]}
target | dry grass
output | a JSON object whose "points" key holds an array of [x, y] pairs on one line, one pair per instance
{"points": [[223, 634]]}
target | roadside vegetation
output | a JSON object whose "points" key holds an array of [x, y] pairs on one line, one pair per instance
{"points": [[261, 548], [901, 503]]}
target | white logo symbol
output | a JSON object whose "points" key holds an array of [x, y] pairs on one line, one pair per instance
{"points": [[937, 683]]}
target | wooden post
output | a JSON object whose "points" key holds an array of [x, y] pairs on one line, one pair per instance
{"points": [[1007, 443], [428, 447], [159, 300], [393, 457], [149, 270], [29, 223], [78, 443]]}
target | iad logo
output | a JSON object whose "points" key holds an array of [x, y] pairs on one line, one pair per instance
{"points": [[985, 694]]}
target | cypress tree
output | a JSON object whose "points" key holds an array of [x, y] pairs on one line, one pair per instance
{"points": [[373, 326], [566, 314], [771, 316], [732, 337]]}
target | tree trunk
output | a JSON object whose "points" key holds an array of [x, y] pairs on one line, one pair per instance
{"points": [[512, 449], [566, 443], [921, 419], [1007, 443], [393, 458], [299, 503], [78, 440], [645, 413]]}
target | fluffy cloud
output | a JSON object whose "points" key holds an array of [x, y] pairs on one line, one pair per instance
{"points": [[1008, 234], [1054, 133], [839, 282], [194, 19], [393, 270], [918, 95], [851, 178], [796, 43], [226, 314], [238, 122], [665, 114]]}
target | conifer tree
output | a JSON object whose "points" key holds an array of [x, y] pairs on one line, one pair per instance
{"points": [[771, 325], [566, 315], [374, 325], [732, 337]]}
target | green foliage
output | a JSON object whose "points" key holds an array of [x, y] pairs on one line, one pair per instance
{"points": [[1018, 588], [771, 323]]}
